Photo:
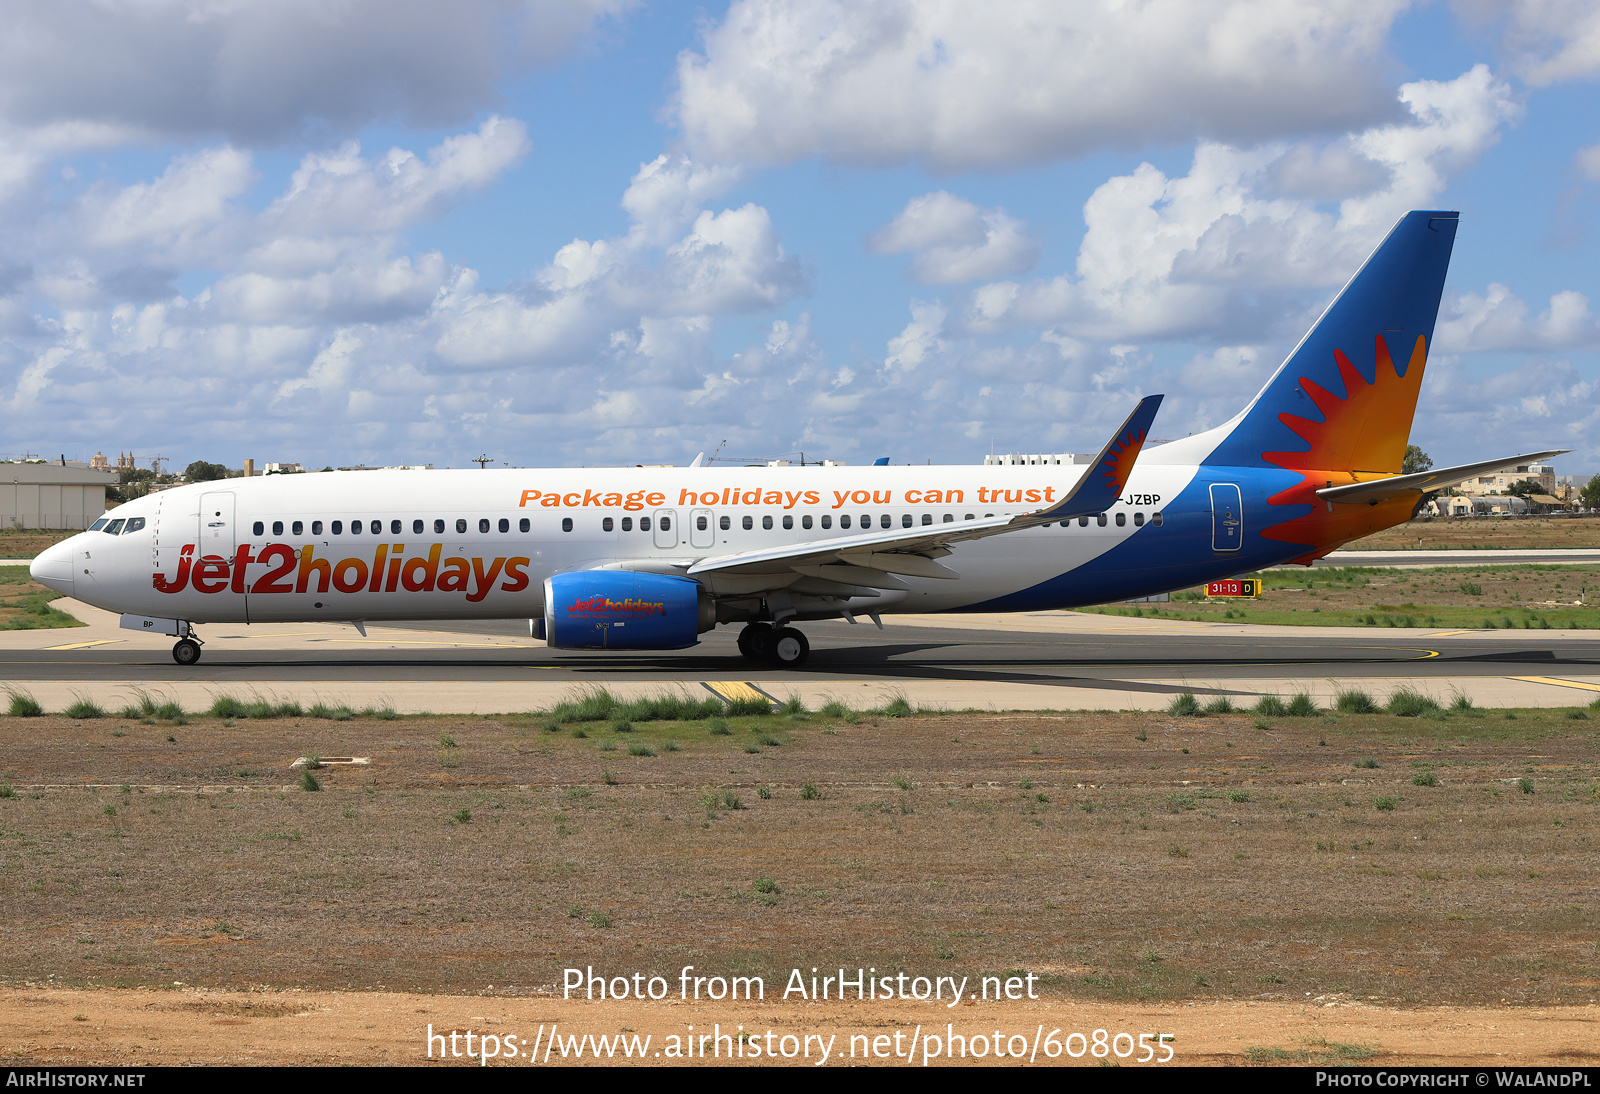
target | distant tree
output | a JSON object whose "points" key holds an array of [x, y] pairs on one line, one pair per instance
{"points": [[1525, 488], [1590, 495], [201, 471], [1416, 460], [132, 482]]}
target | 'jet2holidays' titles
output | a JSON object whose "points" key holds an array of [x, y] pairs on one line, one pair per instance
{"points": [[388, 572]]}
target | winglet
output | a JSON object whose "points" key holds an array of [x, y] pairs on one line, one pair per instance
{"points": [[1102, 484]]}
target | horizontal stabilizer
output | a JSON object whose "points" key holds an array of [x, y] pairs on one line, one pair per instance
{"points": [[1420, 483]]}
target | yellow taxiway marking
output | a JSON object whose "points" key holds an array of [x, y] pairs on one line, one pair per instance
{"points": [[85, 645], [1402, 649], [1558, 683], [736, 691], [1447, 634]]}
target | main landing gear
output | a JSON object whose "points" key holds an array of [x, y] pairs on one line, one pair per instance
{"points": [[784, 647]]}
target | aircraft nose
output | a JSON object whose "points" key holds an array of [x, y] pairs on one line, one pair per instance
{"points": [[53, 567]]}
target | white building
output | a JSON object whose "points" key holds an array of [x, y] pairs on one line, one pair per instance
{"points": [[1036, 459], [35, 494]]}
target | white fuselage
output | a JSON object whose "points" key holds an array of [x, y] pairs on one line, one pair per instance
{"points": [[376, 545]]}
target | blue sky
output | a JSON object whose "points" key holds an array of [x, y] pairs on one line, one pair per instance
{"points": [[596, 231]]}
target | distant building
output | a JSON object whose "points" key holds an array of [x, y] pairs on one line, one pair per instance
{"points": [[1035, 459], [1501, 481], [1476, 506], [284, 468], [52, 495], [99, 462]]}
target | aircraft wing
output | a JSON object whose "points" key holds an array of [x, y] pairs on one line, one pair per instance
{"points": [[1396, 485], [867, 560]]}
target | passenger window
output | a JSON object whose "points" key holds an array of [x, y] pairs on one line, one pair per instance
{"points": [[566, 524], [927, 518], [827, 521], [417, 526], [115, 526], [483, 524], [277, 527], [700, 523], [805, 522], [1083, 522], [504, 525], [97, 525], [885, 521], [844, 521], [967, 517], [666, 524], [394, 528], [1155, 518], [905, 520], [133, 525], [522, 525], [316, 527], [607, 524], [1066, 524], [949, 518], [766, 522], [627, 524], [258, 528], [461, 526], [297, 528], [1138, 520], [337, 527], [438, 526], [644, 524], [788, 521], [1122, 520], [748, 523], [1100, 520], [866, 521], [724, 523]]}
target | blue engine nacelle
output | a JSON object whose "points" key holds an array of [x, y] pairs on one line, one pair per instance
{"points": [[622, 610]]}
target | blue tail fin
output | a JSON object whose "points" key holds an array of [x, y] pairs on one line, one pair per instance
{"points": [[1344, 399]]}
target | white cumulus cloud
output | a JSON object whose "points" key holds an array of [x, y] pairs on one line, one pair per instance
{"points": [[263, 72], [956, 85], [954, 241]]}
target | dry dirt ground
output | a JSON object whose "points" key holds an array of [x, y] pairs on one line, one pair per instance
{"points": [[1216, 872], [1499, 533], [1484, 597]]}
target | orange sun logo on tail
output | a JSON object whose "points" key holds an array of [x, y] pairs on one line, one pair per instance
{"points": [[1118, 464], [1362, 437]]}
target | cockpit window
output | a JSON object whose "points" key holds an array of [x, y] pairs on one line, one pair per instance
{"points": [[99, 524], [134, 524], [115, 527]]}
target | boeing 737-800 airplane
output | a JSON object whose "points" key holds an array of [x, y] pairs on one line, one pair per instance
{"points": [[650, 558]]}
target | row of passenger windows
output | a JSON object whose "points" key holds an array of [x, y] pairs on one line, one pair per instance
{"points": [[375, 527], [608, 524]]}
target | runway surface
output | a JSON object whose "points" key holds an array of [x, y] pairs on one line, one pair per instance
{"points": [[1036, 660], [840, 651]]}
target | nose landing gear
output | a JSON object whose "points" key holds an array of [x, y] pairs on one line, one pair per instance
{"points": [[783, 647], [187, 649]]}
